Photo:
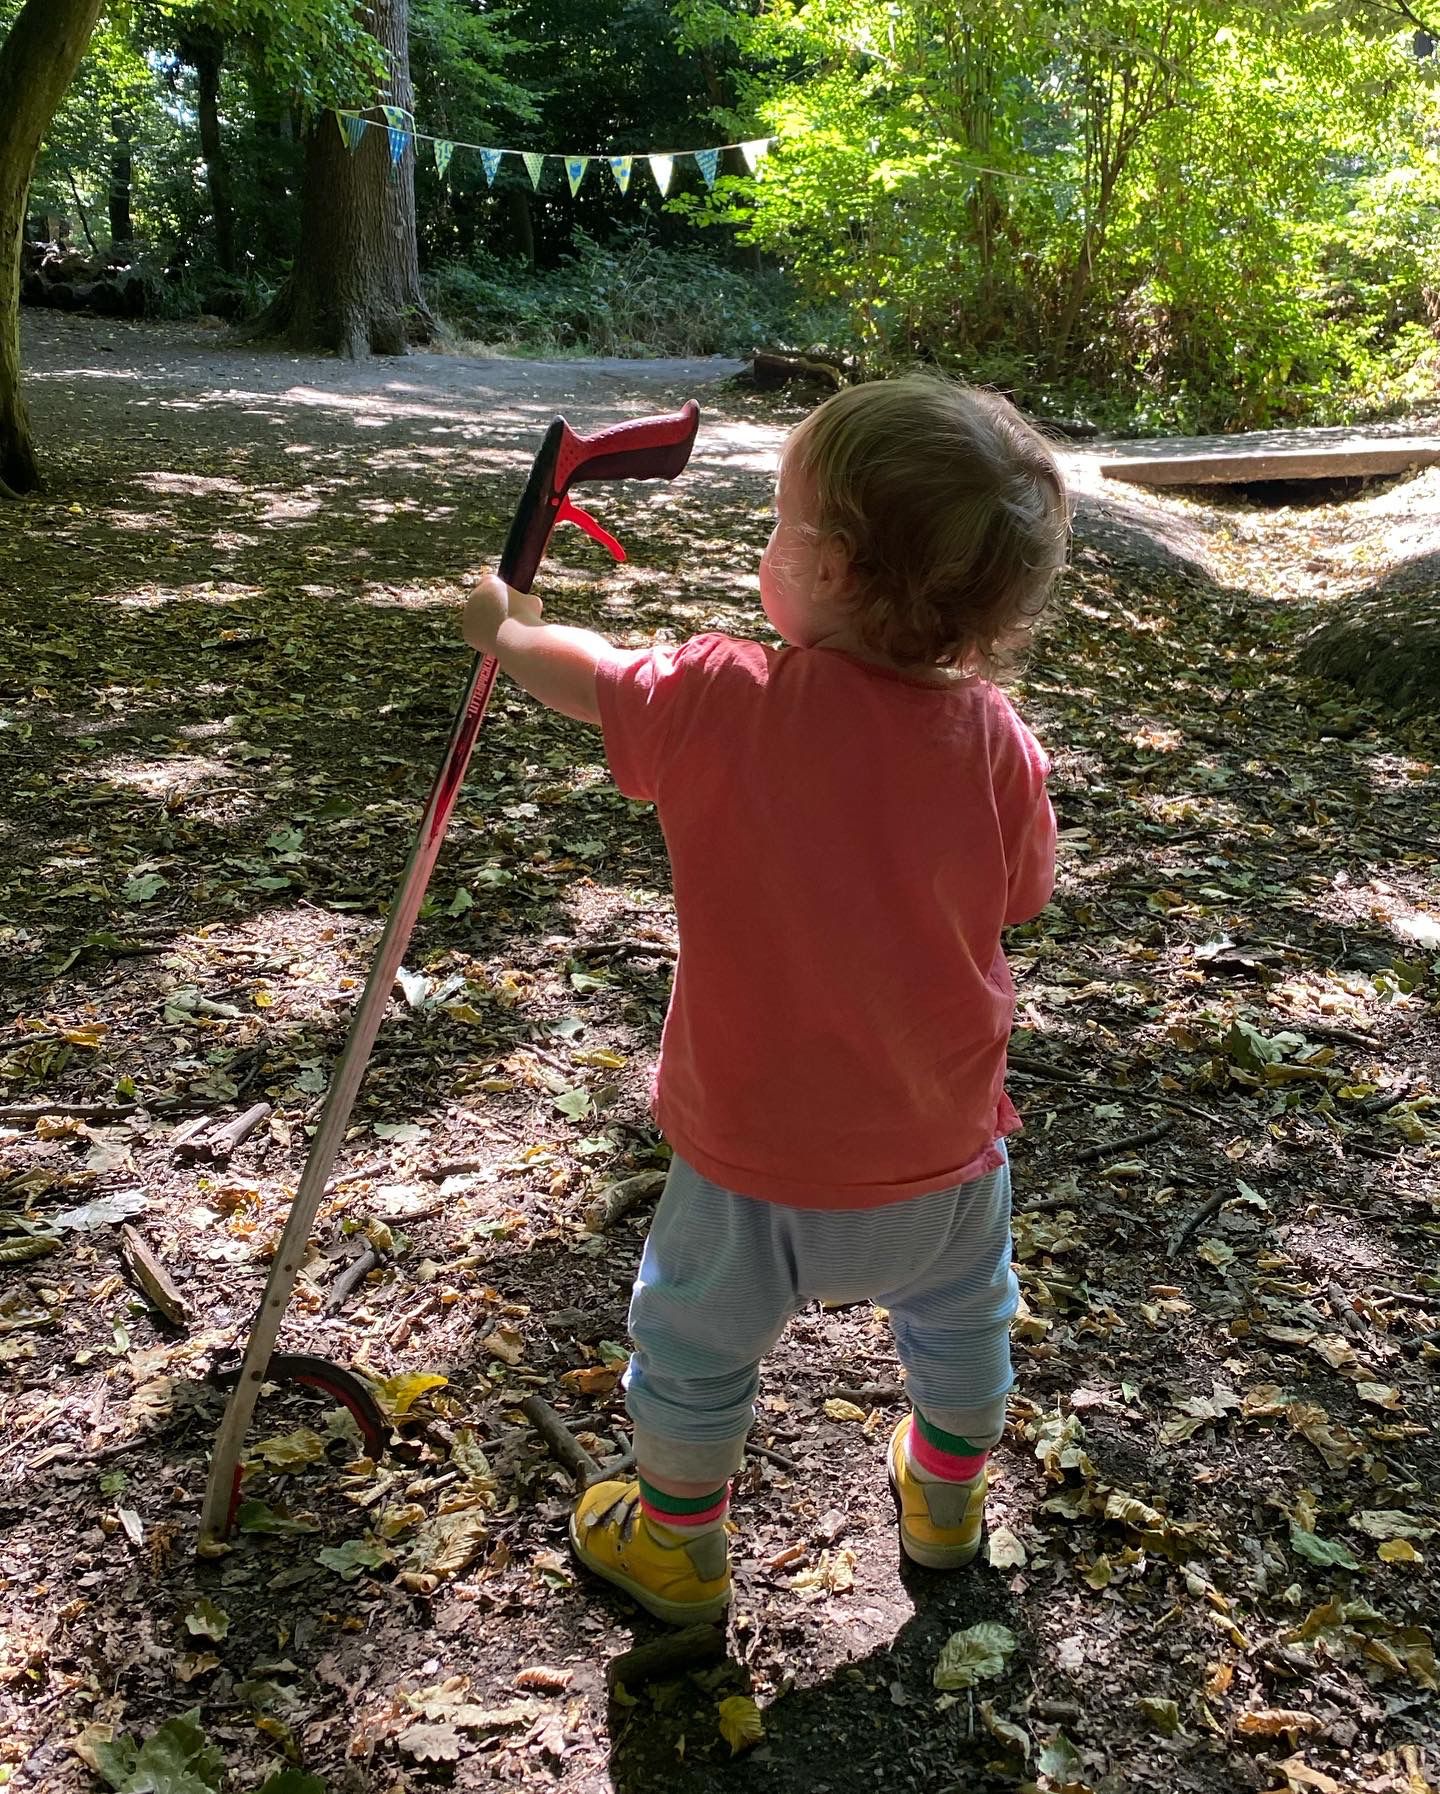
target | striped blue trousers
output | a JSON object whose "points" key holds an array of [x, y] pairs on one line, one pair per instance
{"points": [[722, 1274]]}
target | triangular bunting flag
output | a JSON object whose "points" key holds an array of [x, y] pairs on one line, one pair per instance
{"points": [[575, 167], [534, 163], [662, 167], [490, 161], [754, 150], [396, 118], [352, 128], [444, 150], [620, 167], [707, 161]]}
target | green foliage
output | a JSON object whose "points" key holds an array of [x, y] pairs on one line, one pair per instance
{"points": [[633, 297], [1173, 204], [177, 1759]]}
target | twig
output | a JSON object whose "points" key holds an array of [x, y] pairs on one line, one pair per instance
{"points": [[220, 1142], [564, 1447], [1201, 1215], [352, 1276], [1088, 1154], [777, 1458], [614, 1466], [1325, 1031], [1377, 1105], [617, 1202], [666, 1658], [1039, 1068], [400, 1333], [624, 950], [373, 1169], [80, 1111], [1406, 1295], [187, 1131], [1049, 1205], [869, 1392], [1026, 1067]]}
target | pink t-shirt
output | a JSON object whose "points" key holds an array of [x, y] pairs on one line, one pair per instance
{"points": [[846, 845]]}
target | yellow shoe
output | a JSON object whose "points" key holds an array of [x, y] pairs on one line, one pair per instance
{"points": [[940, 1523], [687, 1583]]}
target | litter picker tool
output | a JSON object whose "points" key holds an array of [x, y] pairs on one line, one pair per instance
{"points": [[653, 448]]}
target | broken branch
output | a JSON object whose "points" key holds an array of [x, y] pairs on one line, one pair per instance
{"points": [[156, 1282], [1201, 1215], [666, 1658], [563, 1446], [616, 1202]]}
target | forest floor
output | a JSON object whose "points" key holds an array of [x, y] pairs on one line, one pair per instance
{"points": [[228, 661]]}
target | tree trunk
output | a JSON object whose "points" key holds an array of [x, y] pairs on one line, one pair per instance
{"points": [[207, 53], [522, 225], [37, 60], [276, 177], [355, 286], [121, 229]]}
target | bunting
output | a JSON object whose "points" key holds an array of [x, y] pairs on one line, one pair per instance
{"points": [[396, 121], [400, 130], [352, 129]]}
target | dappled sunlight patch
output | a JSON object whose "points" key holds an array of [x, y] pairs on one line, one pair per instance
{"points": [[1340, 996], [159, 597], [1415, 924], [285, 507], [191, 485], [173, 776], [1153, 738], [375, 410], [728, 443], [1396, 772]]}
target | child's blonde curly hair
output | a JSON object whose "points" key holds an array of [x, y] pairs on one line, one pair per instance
{"points": [[952, 510]]}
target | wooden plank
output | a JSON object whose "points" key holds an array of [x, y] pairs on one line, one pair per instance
{"points": [[1237, 460]]}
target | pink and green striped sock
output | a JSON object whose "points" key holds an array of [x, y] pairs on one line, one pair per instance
{"points": [[936, 1456], [684, 1515]]}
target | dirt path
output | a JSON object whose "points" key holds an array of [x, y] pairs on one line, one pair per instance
{"points": [[227, 662]]}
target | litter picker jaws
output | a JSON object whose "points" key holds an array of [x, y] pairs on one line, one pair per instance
{"points": [[654, 448]]}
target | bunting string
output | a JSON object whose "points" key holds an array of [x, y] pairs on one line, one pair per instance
{"points": [[399, 127]]}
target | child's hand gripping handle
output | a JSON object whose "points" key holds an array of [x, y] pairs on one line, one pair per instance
{"points": [[653, 448]]}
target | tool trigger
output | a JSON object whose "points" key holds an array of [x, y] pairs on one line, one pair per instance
{"points": [[569, 512]]}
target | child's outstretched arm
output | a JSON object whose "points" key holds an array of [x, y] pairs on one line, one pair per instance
{"points": [[553, 663]]}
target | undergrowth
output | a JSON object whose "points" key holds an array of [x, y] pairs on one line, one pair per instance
{"points": [[632, 298]]}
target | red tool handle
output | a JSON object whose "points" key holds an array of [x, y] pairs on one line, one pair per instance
{"points": [[652, 448]]}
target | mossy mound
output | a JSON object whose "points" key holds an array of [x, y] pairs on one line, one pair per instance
{"points": [[1385, 642]]}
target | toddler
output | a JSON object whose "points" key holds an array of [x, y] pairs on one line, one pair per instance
{"points": [[852, 819]]}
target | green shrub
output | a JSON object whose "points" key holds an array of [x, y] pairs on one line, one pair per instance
{"points": [[628, 298]]}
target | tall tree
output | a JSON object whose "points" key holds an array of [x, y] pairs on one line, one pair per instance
{"points": [[37, 60], [355, 285], [203, 47]]}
